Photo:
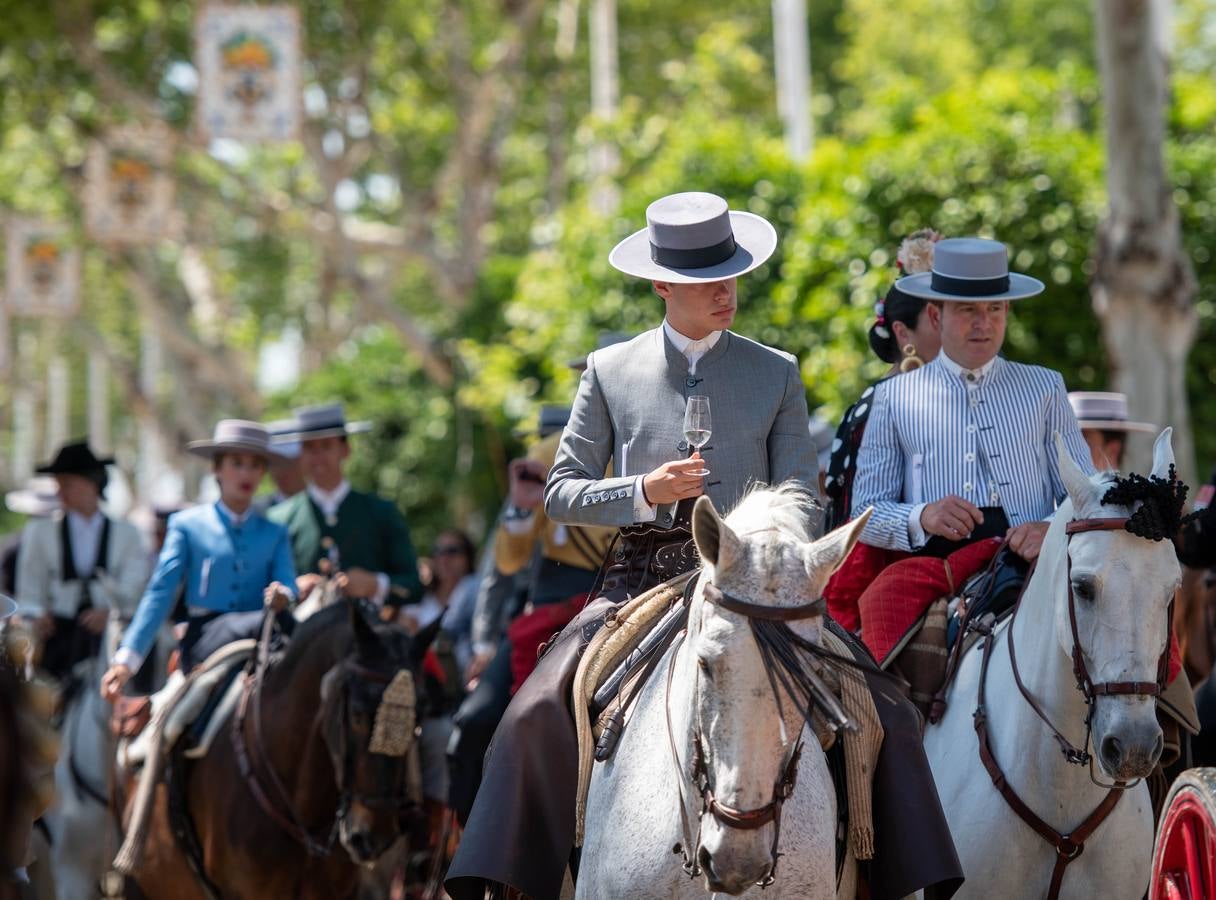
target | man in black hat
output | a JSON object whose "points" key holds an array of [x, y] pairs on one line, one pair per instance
{"points": [[78, 567], [361, 536]]}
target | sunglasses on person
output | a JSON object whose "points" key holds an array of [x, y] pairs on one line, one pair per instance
{"points": [[449, 551]]}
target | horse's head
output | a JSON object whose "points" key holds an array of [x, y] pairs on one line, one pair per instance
{"points": [[747, 728], [368, 716], [1122, 586]]}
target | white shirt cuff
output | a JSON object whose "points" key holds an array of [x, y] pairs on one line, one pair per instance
{"points": [[129, 658], [481, 648], [519, 526], [916, 534], [642, 511], [381, 589]]}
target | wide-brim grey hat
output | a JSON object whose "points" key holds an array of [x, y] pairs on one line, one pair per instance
{"points": [[311, 423], [8, 606], [288, 449], [236, 436], [1105, 411], [970, 270], [692, 238]]}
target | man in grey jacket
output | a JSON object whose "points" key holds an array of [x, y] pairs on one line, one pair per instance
{"points": [[630, 410]]}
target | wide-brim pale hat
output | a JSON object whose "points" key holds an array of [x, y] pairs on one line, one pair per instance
{"points": [[288, 449], [1105, 411], [970, 270], [692, 238], [311, 423], [39, 497], [8, 606], [236, 436]]}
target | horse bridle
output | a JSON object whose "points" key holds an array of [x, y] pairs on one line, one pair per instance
{"points": [[1070, 845], [1090, 689], [783, 787], [251, 757]]}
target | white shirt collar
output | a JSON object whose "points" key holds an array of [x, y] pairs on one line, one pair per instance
{"points": [[85, 522], [959, 372], [329, 501], [692, 350], [237, 519]]}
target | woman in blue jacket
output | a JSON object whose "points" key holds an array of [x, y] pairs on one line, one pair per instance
{"points": [[231, 560]]}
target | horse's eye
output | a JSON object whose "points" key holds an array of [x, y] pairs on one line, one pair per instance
{"points": [[703, 665], [1083, 589]]}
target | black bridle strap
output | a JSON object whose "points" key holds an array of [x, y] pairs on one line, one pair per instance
{"points": [[718, 597]]}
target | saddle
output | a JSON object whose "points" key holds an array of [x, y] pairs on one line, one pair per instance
{"points": [[175, 708]]}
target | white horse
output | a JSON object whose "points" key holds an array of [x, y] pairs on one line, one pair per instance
{"points": [[1122, 585], [642, 801], [82, 831]]}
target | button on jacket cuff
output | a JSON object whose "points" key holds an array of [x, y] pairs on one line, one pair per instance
{"points": [[642, 511], [916, 532]]}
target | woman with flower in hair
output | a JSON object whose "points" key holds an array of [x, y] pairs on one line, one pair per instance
{"points": [[902, 336]]}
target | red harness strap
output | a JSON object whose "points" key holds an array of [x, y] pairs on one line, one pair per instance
{"points": [[1067, 846]]}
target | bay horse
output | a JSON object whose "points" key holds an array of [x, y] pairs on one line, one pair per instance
{"points": [[714, 699], [1055, 710], [320, 804]]}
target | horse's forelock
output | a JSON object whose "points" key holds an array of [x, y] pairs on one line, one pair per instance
{"points": [[789, 508]]}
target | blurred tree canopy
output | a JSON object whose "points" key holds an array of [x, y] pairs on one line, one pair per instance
{"points": [[430, 239]]}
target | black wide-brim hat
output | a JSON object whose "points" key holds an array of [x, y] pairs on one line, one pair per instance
{"points": [[693, 238], [75, 459]]}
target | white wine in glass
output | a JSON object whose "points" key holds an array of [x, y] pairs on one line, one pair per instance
{"points": [[698, 425]]}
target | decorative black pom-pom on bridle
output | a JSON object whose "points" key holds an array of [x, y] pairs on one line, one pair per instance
{"points": [[1159, 514]]}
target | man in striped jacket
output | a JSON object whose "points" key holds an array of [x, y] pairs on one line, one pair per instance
{"points": [[964, 446]]}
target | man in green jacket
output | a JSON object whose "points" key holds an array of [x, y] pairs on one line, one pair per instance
{"points": [[363, 536]]}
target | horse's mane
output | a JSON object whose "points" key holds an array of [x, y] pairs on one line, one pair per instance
{"points": [[789, 507], [323, 637]]}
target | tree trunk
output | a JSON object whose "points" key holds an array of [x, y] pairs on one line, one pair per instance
{"points": [[1143, 286]]}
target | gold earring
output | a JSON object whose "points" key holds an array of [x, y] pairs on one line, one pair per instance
{"points": [[911, 360]]}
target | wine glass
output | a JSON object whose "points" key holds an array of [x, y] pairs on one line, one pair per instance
{"points": [[698, 425]]}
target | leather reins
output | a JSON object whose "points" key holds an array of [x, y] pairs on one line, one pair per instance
{"points": [[1068, 846], [255, 765], [783, 787]]}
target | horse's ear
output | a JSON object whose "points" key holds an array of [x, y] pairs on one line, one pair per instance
{"points": [[831, 550], [716, 543], [367, 642], [1163, 453], [1076, 482]]}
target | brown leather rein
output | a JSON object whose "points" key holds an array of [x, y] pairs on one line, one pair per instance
{"points": [[1068, 846], [783, 787], [258, 771]]}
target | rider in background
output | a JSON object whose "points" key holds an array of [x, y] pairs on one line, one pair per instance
{"points": [[963, 448], [231, 560], [1104, 424], [367, 534], [78, 566]]}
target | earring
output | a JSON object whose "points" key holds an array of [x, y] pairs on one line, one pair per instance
{"points": [[911, 360]]}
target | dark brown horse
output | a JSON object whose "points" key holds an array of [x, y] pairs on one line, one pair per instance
{"points": [[320, 803], [1195, 622]]}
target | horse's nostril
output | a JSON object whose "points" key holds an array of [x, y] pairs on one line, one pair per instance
{"points": [[706, 862], [1158, 748], [1112, 751]]}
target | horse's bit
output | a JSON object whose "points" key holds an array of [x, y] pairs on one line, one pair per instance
{"points": [[783, 788], [1067, 846]]}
